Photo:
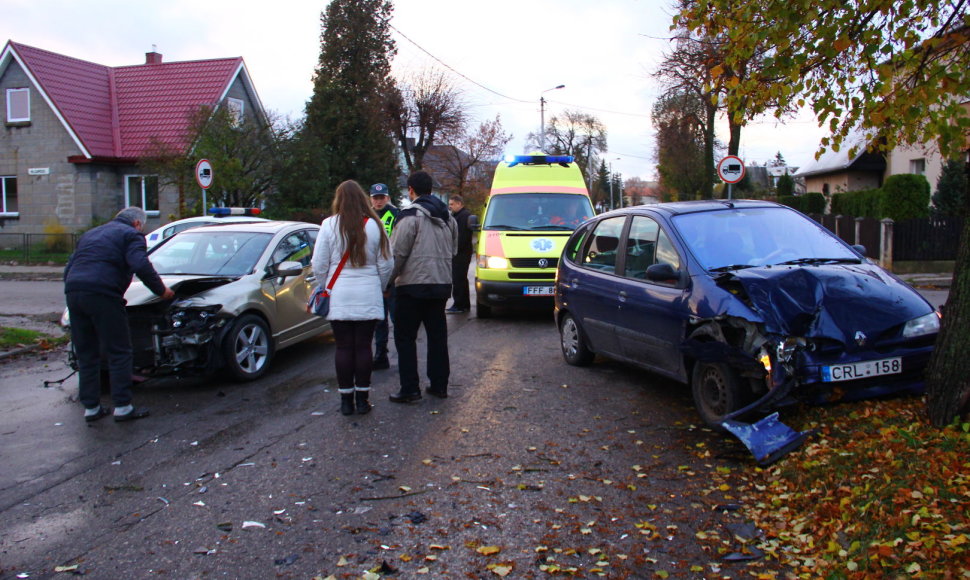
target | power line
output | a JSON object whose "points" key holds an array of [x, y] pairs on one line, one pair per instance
{"points": [[449, 67], [494, 92]]}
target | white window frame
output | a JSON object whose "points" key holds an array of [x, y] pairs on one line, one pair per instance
{"points": [[138, 198], [4, 179], [10, 109], [917, 166], [236, 108]]}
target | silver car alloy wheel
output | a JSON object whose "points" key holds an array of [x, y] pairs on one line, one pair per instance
{"points": [[251, 348]]}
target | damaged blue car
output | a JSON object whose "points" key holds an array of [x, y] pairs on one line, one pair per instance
{"points": [[751, 303]]}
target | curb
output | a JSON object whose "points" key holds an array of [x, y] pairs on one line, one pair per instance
{"points": [[22, 350]]}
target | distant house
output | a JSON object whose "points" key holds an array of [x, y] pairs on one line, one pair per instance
{"points": [[75, 132], [837, 172]]}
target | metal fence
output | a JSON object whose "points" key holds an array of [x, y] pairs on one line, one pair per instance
{"points": [[927, 239], [918, 240], [37, 248]]}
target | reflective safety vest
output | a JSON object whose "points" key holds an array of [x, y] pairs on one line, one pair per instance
{"points": [[388, 220]]}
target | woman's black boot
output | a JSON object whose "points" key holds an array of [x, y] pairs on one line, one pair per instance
{"points": [[347, 403], [363, 405]]}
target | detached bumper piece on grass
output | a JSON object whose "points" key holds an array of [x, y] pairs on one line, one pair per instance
{"points": [[768, 439]]}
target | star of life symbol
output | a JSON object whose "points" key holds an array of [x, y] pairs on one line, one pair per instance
{"points": [[542, 245]]}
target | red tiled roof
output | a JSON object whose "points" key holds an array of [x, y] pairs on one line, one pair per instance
{"points": [[157, 101], [119, 112]]}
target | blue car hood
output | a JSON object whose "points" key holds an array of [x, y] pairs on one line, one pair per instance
{"points": [[832, 301]]}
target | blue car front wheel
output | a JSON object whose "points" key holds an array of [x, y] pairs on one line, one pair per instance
{"points": [[716, 390]]}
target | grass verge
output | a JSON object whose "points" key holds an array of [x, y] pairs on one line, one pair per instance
{"points": [[13, 338], [877, 492]]}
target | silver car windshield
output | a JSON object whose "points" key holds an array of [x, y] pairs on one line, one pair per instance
{"points": [[743, 238], [208, 253], [537, 211]]}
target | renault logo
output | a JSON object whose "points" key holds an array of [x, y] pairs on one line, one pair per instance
{"points": [[860, 338], [543, 263]]}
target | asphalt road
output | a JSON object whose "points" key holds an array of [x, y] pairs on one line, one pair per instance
{"points": [[547, 464], [531, 465]]}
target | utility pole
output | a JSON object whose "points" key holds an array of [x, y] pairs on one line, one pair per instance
{"points": [[611, 186], [542, 117]]}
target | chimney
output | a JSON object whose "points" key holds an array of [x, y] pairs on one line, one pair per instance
{"points": [[153, 57]]}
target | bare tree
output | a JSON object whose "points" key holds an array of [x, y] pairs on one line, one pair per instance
{"points": [[469, 161], [426, 108], [575, 133]]}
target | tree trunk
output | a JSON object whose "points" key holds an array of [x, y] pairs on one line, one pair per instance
{"points": [[948, 376], [708, 190], [734, 141]]}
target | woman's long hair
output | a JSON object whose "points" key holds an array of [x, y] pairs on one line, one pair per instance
{"points": [[351, 205]]}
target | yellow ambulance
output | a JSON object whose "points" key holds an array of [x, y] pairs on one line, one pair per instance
{"points": [[535, 203]]}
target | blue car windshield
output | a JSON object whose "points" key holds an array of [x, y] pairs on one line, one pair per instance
{"points": [[741, 238], [208, 253], [537, 211]]}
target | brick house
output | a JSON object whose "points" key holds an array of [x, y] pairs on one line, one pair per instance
{"points": [[74, 132]]}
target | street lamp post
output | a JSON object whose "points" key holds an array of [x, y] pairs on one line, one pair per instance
{"points": [[542, 117]]}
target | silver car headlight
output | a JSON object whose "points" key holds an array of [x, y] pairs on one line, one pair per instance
{"points": [[193, 316], [922, 326]]}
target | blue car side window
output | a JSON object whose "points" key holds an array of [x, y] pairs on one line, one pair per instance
{"points": [[602, 250]]}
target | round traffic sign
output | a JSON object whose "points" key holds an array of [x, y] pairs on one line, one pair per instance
{"points": [[203, 173], [731, 169]]}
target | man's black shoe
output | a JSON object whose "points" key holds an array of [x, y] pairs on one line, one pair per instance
{"points": [[405, 397], [454, 310], [437, 393], [135, 413], [102, 412], [381, 363]]}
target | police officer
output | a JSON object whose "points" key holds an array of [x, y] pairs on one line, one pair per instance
{"points": [[388, 214]]}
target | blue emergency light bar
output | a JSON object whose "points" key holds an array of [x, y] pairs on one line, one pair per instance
{"points": [[224, 211], [563, 160]]}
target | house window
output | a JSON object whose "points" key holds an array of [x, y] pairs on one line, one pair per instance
{"points": [[18, 105], [236, 109], [8, 197], [917, 166], [142, 191]]}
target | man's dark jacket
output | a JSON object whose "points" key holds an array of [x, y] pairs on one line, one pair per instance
{"points": [[105, 259], [464, 233]]}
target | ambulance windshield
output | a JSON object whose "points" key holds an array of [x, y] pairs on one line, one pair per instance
{"points": [[537, 211]]}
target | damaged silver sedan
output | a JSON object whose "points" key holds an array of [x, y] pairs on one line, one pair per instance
{"points": [[240, 296], [751, 303]]}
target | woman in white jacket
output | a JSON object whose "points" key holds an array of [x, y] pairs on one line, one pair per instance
{"points": [[356, 299]]}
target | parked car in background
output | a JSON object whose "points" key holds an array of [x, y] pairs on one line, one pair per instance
{"points": [[751, 303], [221, 215], [240, 295]]}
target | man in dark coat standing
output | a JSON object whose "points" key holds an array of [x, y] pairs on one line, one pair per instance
{"points": [[95, 280], [424, 242], [459, 264]]}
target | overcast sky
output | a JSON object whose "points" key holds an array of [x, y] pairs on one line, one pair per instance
{"points": [[504, 55]]}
